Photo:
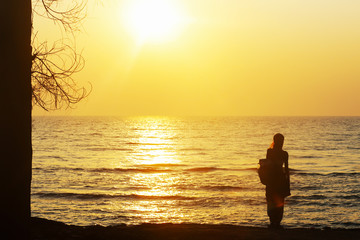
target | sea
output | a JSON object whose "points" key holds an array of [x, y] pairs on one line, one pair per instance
{"points": [[134, 170]]}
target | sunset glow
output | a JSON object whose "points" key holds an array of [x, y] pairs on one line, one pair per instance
{"points": [[182, 114], [217, 58], [153, 21]]}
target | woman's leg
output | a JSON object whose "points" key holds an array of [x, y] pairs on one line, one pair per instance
{"points": [[275, 208]]}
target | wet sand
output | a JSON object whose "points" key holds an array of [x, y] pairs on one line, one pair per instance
{"points": [[45, 229]]}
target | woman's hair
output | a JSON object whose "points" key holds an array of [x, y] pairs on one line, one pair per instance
{"points": [[278, 141]]}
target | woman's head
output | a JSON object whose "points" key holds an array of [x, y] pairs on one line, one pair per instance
{"points": [[278, 141]]}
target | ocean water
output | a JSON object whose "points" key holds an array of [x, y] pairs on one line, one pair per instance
{"points": [[115, 170]]}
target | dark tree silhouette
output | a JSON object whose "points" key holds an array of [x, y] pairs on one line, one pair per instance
{"points": [[28, 74], [15, 102]]}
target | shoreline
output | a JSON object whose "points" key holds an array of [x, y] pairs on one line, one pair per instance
{"points": [[42, 229]]}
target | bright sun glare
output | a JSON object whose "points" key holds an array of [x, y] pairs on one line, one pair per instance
{"points": [[154, 20]]}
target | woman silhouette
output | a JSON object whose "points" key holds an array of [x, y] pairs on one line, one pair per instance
{"points": [[278, 185]]}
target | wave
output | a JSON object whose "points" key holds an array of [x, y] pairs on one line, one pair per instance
{"points": [[322, 197], [101, 149], [343, 174], [223, 188], [322, 200], [96, 196], [309, 156], [146, 144], [351, 197], [173, 167], [54, 169], [146, 168], [353, 148], [193, 149], [135, 170], [333, 174], [179, 168], [159, 168], [204, 169], [210, 169], [96, 134], [161, 165]]}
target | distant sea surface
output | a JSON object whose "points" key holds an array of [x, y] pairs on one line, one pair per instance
{"points": [[113, 170]]}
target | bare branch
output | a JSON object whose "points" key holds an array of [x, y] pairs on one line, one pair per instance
{"points": [[69, 14], [53, 67], [52, 70]]}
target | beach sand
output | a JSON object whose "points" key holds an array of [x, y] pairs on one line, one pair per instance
{"points": [[46, 229]]}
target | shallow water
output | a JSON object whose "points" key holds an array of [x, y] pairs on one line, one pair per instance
{"points": [[112, 170]]}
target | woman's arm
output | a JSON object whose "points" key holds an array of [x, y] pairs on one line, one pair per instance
{"points": [[287, 173], [268, 153]]}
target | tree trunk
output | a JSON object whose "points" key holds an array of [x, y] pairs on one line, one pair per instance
{"points": [[15, 123]]}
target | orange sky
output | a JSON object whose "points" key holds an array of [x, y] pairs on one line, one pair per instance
{"points": [[224, 57]]}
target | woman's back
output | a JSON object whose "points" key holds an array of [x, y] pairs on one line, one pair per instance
{"points": [[279, 170], [278, 157]]}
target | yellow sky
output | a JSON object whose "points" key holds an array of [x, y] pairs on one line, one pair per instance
{"points": [[225, 57]]}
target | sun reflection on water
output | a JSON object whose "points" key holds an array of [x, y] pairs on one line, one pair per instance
{"points": [[156, 184], [153, 142], [154, 151], [156, 199]]}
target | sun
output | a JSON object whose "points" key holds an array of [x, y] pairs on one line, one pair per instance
{"points": [[154, 20]]}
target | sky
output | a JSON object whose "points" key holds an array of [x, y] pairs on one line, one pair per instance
{"points": [[216, 57]]}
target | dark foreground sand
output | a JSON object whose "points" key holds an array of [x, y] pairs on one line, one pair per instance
{"points": [[45, 229]]}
